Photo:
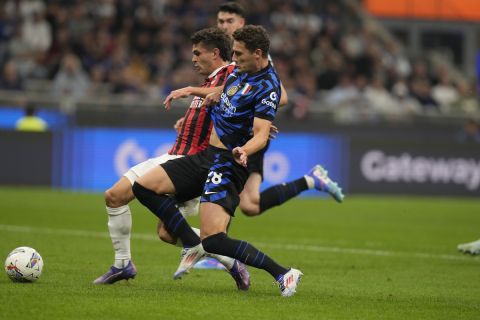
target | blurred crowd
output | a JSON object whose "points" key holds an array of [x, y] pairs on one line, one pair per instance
{"points": [[326, 56]]}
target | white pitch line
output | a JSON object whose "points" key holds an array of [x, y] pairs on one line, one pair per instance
{"points": [[290, 247]]}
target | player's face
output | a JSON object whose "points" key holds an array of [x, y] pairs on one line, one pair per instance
{"points": [[202, 59], [229, 22], [243, 58]]}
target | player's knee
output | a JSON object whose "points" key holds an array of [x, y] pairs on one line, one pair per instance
{"points": [[250, 211], [213, 243], [249, 208], [114, 199]]}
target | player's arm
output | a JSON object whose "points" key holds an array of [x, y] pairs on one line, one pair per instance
{"points": [[261, 133], [201, 92], [212, 98], [283, 96]]}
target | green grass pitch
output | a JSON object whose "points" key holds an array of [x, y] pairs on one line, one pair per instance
{"points": [[368, 258]]}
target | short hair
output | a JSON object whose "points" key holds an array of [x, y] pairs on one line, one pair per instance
{"points": [[212, 38], [254, 37], [232, 7]]}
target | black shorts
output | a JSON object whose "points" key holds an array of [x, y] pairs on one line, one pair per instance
{"points": [[255, 161], [212, 174]]}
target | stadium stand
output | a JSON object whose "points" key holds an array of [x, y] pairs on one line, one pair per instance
{"points": [[331, 56]]}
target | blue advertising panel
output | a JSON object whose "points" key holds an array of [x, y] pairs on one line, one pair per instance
{"points": [[93, 159]]}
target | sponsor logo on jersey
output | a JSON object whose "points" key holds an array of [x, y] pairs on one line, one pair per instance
{"points": [[232, 90], [196, 103], [228, 108], [273, 96], [269, 103]]}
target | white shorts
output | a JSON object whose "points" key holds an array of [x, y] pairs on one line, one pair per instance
{"points": [[187, 208]]}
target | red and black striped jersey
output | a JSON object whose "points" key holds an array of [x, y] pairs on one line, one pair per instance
{"points": [[195, 130]]}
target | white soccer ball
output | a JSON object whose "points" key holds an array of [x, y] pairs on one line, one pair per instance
{"points": [[24, 264]]}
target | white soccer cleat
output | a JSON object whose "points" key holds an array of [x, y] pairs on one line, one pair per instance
{"points": [[190, 257], [471, 247], [288, 282]]}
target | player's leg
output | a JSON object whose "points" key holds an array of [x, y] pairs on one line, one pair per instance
{"points": [[214, 220], [250, 195], [190, 208], [470, 247], [151, 190], [164, 235], [253, 203], [219, 200], [119, 227], [120, 220]]}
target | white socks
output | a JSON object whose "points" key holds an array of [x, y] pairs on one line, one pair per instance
{"points": [[120, 226]]}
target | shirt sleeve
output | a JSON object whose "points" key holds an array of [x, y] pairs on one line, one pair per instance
{"points": [[266, 100]]}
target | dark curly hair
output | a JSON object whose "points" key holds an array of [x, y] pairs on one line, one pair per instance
{"points": [[254, 37], [232, 7], [212, 38]]}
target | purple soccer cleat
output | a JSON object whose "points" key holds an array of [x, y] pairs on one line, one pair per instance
{"points": [[241, 276], [115, 274]]}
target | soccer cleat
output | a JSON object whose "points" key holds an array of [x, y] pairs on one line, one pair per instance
{"points": [[471, 247], [288, 282], [115, 274], [241, 276], [323, 183], [190, 256]]}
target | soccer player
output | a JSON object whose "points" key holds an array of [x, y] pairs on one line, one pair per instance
{"points": [[471, 247], [211, 52], [230, 17], [248, 103]]}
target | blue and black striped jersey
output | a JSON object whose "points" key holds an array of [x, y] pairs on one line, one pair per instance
{"points": [[244, 97]]}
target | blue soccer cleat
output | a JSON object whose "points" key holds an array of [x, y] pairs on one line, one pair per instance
{"points": [[288, 282], [115, 274], [241, 276], [323, 183]]}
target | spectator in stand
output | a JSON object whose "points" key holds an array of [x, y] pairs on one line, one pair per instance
{"points": [[11, 80], [467, 101], [470, 132], [70, 80], [421, 91], [319, 40], [444, 91], [342, 93], [379, 99], [21, 54], [37, 33]]}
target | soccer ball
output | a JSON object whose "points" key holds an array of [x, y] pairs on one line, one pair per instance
{"points": [[24, 264]]}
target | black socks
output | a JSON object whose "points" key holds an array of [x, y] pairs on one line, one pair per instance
{"points": [[165, 209], [281, 193], [221, 244]]}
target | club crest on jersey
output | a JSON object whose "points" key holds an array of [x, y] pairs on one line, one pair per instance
{"points": [[232, 90]]}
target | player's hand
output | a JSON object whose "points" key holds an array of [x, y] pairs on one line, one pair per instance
{"points": [[273, 132], [176, 94], [211, 99], [240, 156], [178, 124]]}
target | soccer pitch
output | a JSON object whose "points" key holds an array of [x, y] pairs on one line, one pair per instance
{"points": [[368, 258]]}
